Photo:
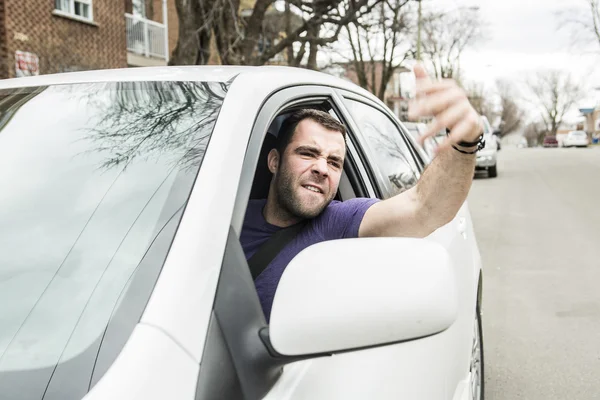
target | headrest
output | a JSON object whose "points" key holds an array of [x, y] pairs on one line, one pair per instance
{"points": [[276, 125], [262, 176]]}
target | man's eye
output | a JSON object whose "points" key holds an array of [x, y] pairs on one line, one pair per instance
{"points": [[335, 164]]}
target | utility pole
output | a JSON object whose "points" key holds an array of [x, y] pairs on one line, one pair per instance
{"points": [[419, 33]]}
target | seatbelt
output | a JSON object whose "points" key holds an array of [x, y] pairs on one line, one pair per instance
{"points": [[267, 252]]}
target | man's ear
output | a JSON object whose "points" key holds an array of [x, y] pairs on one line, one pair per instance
{"points": [[273, 160]]}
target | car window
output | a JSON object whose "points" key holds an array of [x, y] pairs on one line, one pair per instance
{"points": [[94, 180], [390, 152]]}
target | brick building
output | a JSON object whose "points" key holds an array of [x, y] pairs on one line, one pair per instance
{"points": [[45, 36]]}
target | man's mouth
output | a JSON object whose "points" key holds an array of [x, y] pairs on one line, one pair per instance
{"points": [[312, 188]]}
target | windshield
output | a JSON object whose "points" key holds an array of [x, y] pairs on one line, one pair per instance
{"points": [[94, 181]]}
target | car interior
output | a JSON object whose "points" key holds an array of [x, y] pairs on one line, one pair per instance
{"points": [[348, 188]]}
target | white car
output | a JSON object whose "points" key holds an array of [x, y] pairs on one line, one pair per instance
{"points": [[123, 276], [487, 158], [576, 138]]}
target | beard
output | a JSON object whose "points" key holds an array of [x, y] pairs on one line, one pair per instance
{"points": [[290, 201]]}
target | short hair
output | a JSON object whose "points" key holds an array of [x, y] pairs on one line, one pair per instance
{"points": [[288, 127]]}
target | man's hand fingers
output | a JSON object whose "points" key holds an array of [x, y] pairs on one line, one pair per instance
{"points": [[426, 87], [434, 104], [448, 104], [462, 129], [420, 72], [447, 119], [421, 77]]}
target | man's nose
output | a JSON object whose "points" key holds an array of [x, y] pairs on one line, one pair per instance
{"points": [[320, 167]]}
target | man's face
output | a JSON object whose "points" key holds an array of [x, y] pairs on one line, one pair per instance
{"points": [[307, 177]]}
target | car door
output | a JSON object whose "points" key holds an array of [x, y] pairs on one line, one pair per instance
{"points": [[389, 152], [422, 368], [354, 375], [435, 367]]}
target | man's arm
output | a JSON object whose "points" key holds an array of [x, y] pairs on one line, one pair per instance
{"points": [[446, 182]]}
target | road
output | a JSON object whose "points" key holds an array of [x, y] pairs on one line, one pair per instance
{"points": [[538, 228]]}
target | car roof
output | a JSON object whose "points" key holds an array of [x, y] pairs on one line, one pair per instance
{"points": [[274, 76]]}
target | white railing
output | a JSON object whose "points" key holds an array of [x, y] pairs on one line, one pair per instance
{"points": [[146, 37]]}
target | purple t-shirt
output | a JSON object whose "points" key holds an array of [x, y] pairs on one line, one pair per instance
{"points": [[339, 220]]}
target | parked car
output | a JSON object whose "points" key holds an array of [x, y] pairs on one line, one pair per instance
{"points": [[498, 137], [576, 138], [122, 271], [550, 141], [490, 133], [487, 159]]}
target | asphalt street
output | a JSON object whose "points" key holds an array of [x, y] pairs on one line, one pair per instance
{"points": [[538, 229]]}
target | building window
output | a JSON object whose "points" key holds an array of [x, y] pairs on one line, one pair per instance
{"points": [[76, 8]]}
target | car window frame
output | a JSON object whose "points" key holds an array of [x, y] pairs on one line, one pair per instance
{"points": [[380, 180], [406, 136], [272, 107]]}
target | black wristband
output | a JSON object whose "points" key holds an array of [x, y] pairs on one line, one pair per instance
{"points": [[468, 144], [471, 144], [465, 152], [480, 143]]}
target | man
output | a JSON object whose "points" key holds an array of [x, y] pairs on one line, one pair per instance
{"points": [[307, 164]]}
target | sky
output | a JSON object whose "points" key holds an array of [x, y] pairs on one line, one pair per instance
{"points": [[524, 36]]}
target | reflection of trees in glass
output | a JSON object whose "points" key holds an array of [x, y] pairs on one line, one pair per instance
{"points": [[99, 243], [391, 156], [142, 119], [403, 181]]}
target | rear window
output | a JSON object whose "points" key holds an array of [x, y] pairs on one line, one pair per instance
{"points": [[94, 179]]}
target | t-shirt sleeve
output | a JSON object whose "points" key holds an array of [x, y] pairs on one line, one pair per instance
{"points": [[342, 219]]}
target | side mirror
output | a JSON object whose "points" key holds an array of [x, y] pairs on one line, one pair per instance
{"points": [[350, 294]]}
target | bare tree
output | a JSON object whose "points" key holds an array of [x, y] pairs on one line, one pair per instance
{"points": [[534, 132], [480, 100], [371, 46], [511, 115], [146, 119], [554, 93], [594, 24], [195, 32], [446, 35], [239, 33], [584, 23]]}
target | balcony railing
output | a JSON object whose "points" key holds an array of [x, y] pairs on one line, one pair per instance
{"points": [[146, 37]]}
